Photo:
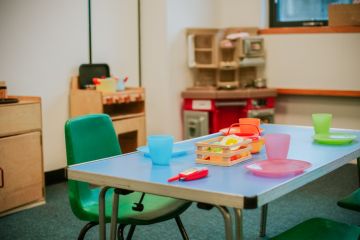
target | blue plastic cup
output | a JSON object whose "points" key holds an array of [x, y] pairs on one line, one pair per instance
{"points": [[160, 148]]}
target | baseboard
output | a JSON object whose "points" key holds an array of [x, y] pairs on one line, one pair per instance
{"points": [[55, 176]]}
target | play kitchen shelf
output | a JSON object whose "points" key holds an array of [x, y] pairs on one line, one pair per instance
{"points": [[126, 109], [202, 45], [227, 58], [21, 172]]}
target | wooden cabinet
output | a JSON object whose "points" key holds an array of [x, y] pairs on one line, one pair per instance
{"points": [[21, 162], [126, 109]]}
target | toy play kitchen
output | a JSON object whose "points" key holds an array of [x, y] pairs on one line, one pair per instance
{"points": [[209, 111]]}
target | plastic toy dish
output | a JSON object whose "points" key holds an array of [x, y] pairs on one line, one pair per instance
{"points": [[277, 167], [178, 150], [231, 140], [334, 138]]}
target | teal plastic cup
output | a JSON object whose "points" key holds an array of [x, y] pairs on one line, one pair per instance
{"points": [[322, 122], [160, 148]]}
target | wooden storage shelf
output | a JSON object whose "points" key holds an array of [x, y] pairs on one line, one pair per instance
{"points": [[206, 66], [203, 49], [22, 173], [130, 101], [205, 77], [202, 45], [227, 78], [126, 109]]}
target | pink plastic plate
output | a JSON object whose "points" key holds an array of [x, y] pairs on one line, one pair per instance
{"points": [[277, 167]]}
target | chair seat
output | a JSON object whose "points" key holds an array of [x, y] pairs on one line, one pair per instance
{"points": [[320, 228], [156, 208], [352, 201]]}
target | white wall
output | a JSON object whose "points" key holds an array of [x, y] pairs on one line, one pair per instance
{"points": [[298, 110], [164, 69], [235, 13], [324, 61], [43, 43], [115, 37], [313, 61]]}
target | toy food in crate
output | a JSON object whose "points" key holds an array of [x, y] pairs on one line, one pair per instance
{"points": [[247, 131], [223, 150]]}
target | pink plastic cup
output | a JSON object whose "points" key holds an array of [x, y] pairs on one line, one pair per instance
{"points": [[277, 145]]}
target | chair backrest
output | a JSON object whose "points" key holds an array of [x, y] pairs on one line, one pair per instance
{"points": [[88, 138]]}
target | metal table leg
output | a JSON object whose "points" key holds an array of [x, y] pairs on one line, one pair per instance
{"points": [[264, 210], [114, 215], [102, 227], [238, 224], [227, 220]]}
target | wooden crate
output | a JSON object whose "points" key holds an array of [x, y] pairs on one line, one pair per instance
{"points": [[227, 157]]}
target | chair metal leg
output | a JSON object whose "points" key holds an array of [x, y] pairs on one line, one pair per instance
{"points": [[181, 228], [358, 167], [121, 231], [85, 229], [131, 232], [227, 220], [102, 229], [264, 210]]}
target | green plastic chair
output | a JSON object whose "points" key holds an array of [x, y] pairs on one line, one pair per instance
{"points": [[320, 229], [92, 137], [351, 202]]}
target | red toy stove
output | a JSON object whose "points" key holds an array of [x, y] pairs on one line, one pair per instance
{"points": [[204, 116]]}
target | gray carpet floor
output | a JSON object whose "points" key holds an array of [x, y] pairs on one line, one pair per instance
{"points": [[54, 220]]}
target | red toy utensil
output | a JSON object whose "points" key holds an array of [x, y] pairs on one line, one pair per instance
{"points": [[190, 174]]}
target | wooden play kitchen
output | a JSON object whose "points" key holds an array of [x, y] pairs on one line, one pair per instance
{"points": [[126, 109], [228, 82]]}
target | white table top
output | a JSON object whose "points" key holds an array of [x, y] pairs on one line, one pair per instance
{"points": [[228, 186]]}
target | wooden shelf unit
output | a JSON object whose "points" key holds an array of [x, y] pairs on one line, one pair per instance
{"points": [[203, 43], [215, 59], [22, 172], [126, 109]]}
